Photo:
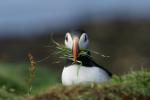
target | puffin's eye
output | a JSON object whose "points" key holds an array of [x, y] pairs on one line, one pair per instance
{"points": [[85, 38], [66, 38]]}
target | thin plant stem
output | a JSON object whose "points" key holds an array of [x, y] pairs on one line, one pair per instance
{"points": [[31, 71]]}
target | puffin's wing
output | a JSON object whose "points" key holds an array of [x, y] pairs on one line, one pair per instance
{"points": [[95, 64]]}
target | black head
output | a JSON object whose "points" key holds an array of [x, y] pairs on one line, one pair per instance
{"points": [[77, 32]]}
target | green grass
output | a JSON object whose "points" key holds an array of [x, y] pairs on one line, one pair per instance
{"points": [[13, 85], [5, 95], [132, 86]]}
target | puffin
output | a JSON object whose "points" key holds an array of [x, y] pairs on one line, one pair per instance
{"points": [[88, 71]]}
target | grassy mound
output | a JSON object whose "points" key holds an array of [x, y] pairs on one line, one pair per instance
{"points": [[132, 86]]}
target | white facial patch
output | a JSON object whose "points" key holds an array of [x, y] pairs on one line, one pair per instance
{"points": [[68, 41], [83, 42]]}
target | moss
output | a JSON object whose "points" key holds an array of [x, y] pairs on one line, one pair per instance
{"points": [[132, 86]]}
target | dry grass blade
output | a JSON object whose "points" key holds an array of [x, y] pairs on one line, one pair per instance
{"points": [[64, 52], [31, 71]]}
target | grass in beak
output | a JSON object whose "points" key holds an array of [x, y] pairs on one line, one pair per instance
{"points": [[64, 52]]}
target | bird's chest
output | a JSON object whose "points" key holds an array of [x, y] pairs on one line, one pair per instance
{"points": [[79, 74]]}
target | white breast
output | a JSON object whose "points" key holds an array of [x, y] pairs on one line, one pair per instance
{"points": [[75, 74]]}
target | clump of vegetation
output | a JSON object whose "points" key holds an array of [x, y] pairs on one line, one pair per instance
{"points": [[132, 86]]}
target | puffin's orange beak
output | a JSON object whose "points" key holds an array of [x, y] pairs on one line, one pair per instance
{"points": [[75, 49]]}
